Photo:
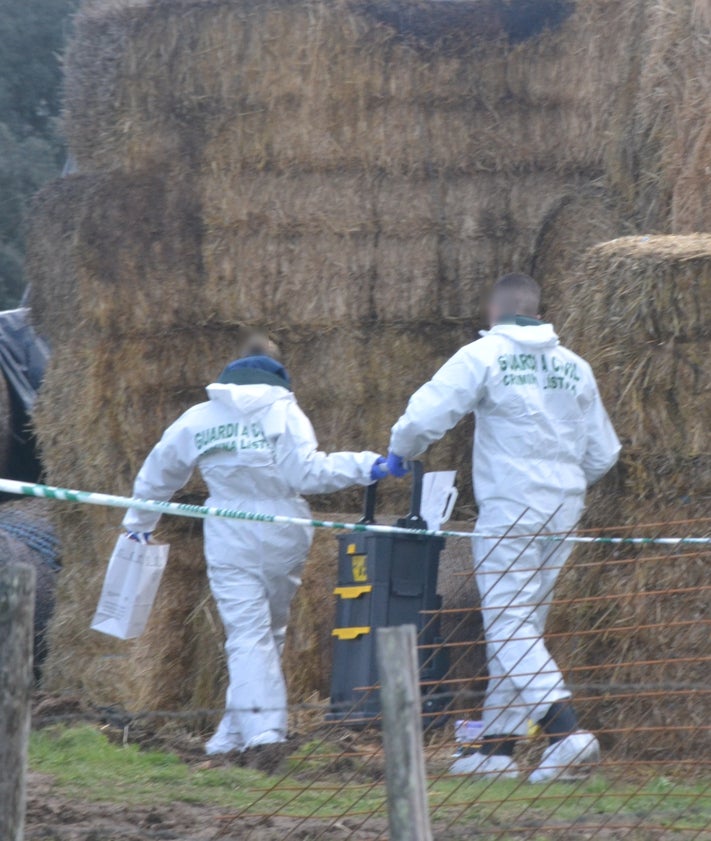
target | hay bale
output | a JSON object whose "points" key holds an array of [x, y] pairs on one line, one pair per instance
{"points": [[147, 674], [672, 82], [403, 251], [657, 150], [630, 624], [356, 247], [320, 85], [323, 170], [645, 330], [573, 225], [104, 246], [82, 660]]}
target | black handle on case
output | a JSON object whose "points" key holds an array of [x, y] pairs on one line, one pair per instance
{"points": [[371, 498], [414, 518], [418, 472]]}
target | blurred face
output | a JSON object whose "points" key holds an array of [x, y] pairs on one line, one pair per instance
{"points": [[501, 306], [495, 310]]}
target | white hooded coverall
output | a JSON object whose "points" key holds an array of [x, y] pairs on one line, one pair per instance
{"points": [[256, 451], [542, 437]]}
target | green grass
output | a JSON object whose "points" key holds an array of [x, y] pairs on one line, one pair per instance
{"points": [[86, 766], [660, 802]]}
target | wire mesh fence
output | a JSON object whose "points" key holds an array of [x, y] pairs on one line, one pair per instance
{"points": [[627, 625]]}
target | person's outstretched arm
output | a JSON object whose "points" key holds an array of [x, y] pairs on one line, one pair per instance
{"points": [[602, 444], [440, 404], [310, 471], [166, 470]]}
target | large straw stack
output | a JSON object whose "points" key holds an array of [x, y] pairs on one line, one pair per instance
{"points": [[666, 143], [323, 149], [333, 172], [646, 328]]}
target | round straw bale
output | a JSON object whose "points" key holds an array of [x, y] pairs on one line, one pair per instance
{"points": [[628, 630], [645, 330]]}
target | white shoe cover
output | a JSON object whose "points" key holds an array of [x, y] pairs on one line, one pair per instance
{"points": [[270, 737], [224, 741], [569, 759], [489, 767]]}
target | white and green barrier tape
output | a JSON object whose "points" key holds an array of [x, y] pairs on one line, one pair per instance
{"points": [[204, 512]]}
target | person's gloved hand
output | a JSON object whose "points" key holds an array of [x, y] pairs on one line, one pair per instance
{"points": [[379, 470], [397, 466], [139, 537]]}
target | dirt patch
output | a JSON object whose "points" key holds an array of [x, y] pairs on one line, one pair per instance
{"points": [[312, 751], [328, 758], [51, 818]]}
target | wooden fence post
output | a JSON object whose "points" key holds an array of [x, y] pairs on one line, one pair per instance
{"points": [[17, 608], [402, 734]]}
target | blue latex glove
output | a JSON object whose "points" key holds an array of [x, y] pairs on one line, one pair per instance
{"points": [[379, 470], [397, 466], [139, 537]]}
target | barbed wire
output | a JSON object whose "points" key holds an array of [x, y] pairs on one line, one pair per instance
{"points": [[651, 715]]}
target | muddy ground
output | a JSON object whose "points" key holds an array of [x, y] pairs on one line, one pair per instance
{"points": [[51, 818]]}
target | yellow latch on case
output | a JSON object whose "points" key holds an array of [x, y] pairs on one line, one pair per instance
{"points": [[350, 633], [353, 592]]}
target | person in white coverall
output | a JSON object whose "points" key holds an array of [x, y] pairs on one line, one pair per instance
{"points": [[256, 451], [542, 437]]}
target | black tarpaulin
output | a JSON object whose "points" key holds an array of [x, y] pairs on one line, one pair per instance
{"points": [[23, 356]]}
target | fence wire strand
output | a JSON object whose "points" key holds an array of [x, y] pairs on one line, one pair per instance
{"points": [[630, 634]]}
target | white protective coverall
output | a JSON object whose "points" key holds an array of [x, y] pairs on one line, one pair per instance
{"points": [[257, 452], [542, 437]]}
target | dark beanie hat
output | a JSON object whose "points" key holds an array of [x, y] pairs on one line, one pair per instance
{"points": [[256, 370]]}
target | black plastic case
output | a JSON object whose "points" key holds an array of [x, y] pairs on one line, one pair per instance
{"points": [[385, 580]]}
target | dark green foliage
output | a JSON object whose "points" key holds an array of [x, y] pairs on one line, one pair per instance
{"points": [[32, 34]]}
